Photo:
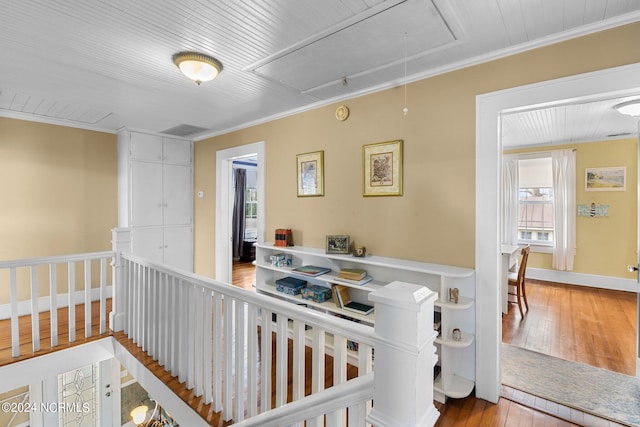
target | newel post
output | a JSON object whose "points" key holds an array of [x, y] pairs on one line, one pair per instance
{"points": [[120, 242], [404, 356]]}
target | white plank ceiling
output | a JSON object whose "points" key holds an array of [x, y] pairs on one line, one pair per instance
{"points": [[107, 64]]}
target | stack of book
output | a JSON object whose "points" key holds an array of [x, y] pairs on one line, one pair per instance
{"points": [[342, 299], [352, 274]]}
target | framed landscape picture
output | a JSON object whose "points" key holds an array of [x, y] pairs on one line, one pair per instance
{"points": [[605, 179], [382, 169], [310, 171]]}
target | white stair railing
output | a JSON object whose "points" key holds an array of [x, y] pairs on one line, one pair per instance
{"points": [[51, 284], [219, 339], [227, 343]]}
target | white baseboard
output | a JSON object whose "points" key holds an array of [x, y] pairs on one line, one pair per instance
{"points": [[581, 279], [24, 307]]}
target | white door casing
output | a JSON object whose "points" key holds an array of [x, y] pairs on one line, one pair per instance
{"points": [[613, 82]]}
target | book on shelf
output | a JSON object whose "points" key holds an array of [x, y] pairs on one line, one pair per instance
{"points": [[361, 282], [340, 295], [358, 307], [342, 299], [436, 321], [354, 274], [311, 270]]}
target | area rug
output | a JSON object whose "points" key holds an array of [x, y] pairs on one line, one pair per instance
{"points": [[592, 390]]}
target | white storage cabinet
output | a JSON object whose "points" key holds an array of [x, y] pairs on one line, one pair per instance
{"points": [[155, 196]]}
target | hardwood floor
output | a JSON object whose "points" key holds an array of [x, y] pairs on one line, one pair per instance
{"points": [[26, 345], [593, 326], [243, 275]]}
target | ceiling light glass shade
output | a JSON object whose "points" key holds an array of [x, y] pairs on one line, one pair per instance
{"points": [[629, 108], [198, 67], [138, 414]]}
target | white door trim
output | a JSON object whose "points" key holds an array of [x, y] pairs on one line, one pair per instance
{"points": [[224, 203], [612, 82]]}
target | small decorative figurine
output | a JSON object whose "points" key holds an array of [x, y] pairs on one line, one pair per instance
{"points": [[359, 251], [456, 334], [453, 295]]}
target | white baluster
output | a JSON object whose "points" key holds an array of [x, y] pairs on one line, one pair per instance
{"points": [[282, 353], [227, 401], [191, 335], [103, 295], [298, 359], [217, 351], [198, 313], [87, 298], [338, 418], [53, 304], [317, 374], [252, 380], [240, 334], [208, 341], [266, 356], [15, 328], [71, 280], [35, 315]]}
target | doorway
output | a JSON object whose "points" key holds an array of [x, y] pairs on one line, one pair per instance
{"points": [[225, 200], [613, 82], [587, 315]]}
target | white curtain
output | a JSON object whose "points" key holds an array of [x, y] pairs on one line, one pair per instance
{"points": [[563, 163], [510, 187]]}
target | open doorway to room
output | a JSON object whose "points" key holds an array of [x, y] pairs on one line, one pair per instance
{"points": [[250, 160], [583, 309], [615, 82], [244, 222], [583, 327]]}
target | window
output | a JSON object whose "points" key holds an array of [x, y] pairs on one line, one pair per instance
{"points": [[251, 203], [535, 201]]}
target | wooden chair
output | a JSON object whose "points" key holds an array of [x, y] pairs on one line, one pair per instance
{"points": [[516, 280]]}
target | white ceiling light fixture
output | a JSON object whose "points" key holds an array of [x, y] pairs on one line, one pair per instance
{"points": [[198, 67], [629, 108]]}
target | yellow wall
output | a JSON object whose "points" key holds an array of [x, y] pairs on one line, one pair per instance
{"points": [[605, 245], [59, 190], [434, 219]]}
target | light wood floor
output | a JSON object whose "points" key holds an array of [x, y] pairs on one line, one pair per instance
{"points": [[593, 326], [26, 344]]}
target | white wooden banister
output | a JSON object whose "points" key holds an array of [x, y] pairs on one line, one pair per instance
{"points": [[39, 277], [330, 401]]}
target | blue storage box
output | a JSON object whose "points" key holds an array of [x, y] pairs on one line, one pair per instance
{"points": [[316, 293], [290, 285]]}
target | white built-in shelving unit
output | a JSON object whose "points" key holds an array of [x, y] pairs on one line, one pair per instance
{"points": [[456, 357]]}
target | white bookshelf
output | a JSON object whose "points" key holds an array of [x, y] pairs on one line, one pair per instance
{"points": [[456, 358]]}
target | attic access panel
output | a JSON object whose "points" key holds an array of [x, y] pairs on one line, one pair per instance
{"points": [[360, 46]]}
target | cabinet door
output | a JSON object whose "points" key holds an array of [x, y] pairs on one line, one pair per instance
{"points": [[178, 247], [146, 193], [146, 147], [177, 194], [147, 242], [176, 151]]}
